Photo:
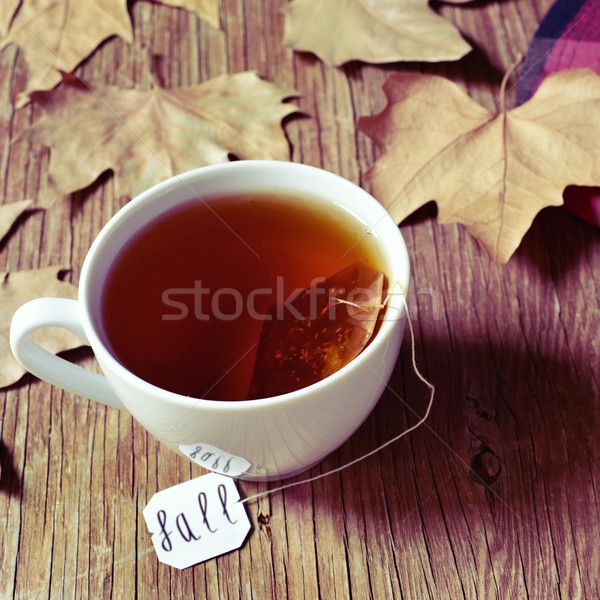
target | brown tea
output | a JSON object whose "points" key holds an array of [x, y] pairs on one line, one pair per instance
{"points": [[186, 300]]}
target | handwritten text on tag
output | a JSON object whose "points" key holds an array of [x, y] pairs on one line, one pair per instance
{"points": [[196, 520], [214, 459]]}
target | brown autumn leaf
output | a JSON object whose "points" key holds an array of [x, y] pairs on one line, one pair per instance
{"points": [[19, 287], [9, 213], [492, 172], [373, 31], [146, 136], [56, 35]]}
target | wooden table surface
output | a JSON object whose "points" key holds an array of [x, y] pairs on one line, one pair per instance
{"points": [[496, 496]]}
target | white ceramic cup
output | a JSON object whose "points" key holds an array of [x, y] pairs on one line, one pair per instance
{"points": [[263, 439]]}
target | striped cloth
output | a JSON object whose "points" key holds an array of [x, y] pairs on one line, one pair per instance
{"points": [[568, 38]]}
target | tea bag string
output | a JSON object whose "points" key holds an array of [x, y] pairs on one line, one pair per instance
{"points": [[380, 447]]}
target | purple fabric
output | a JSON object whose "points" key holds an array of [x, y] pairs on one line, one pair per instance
{"points": [[568, 38]]}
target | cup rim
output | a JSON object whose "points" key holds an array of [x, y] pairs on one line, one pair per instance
{"points": [[105, 356]]}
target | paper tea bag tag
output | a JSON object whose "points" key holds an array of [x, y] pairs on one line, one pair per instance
{"points": [[196, 520], [215, 459]]}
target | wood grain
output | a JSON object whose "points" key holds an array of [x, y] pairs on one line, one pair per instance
{"points": [[495, 497]]}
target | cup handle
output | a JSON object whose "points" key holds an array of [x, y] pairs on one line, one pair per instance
{"points": [[56, 312]]}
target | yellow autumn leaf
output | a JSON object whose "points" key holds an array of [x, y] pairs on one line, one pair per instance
{"points": [[373, 31], [491, 171], [146, 136], [56, 35], [7, 11]]}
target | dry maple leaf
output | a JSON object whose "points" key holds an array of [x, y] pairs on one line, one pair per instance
{"points": [[7, 11], [146, 136], [492, 172], [205, 9], [56, 35], [9, 213], [19, 287], [373, 31]]}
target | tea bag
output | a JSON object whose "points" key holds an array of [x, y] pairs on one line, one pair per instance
{"points": [[322, 329]]}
